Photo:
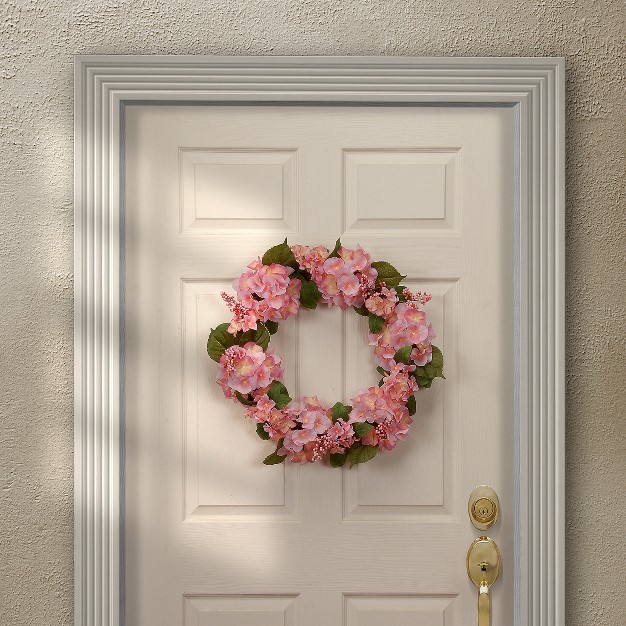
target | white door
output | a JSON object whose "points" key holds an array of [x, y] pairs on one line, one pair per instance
{"points": [[212, 536]]}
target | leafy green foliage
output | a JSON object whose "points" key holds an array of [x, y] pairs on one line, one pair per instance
{"points": [[362, 428], [335, 251], [358, 453], [361, 310], [382, 371], [338, 460], [243, 399], [272, 327], [411, 405], [403, 355], [388, 274], [219, 340], [424, 375], [261, 432], [279, 394], [423, 382], [340, 411], [274, 458], [260, 336], [309, 294], [375, 323], [280, 254], [437, 361]]}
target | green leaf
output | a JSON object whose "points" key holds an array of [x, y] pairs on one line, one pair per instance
{"points": [[278, 392], [411, 405], [375, 322], [359, 453], [335, 251], [362, 428], [338, 460], [280, 254], [219, 340], [403, 355], [260, 336], [274, 459], [437, 361], [309, 294], [243, 399], [340, 411], [387, 273], [261, 432], [423, 382], [361, 310], [382, 371], [271, 326]]}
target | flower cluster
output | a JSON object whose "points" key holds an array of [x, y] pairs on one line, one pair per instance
{"points": [[276, 423], [272, 289], [267, 293], [345, 280], [385, 407], [316, 434], [247, 368], [405, 326]]}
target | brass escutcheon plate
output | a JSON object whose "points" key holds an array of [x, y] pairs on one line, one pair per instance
{"points": [[483, 507], [483, 561]]}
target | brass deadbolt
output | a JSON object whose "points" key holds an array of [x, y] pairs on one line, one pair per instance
{"points": [[484, 510], [483, 507]]}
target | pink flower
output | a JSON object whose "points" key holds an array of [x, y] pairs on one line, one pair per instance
{"points": [[422, 354], [345, 280], [247, 368], [310, 259], [399, 385], [407, 325], [382, 303], [268, 292], [387, 434], [310, 414], [386, 403]]}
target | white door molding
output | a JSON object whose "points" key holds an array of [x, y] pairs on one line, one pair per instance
{"points": [[533, 86]]}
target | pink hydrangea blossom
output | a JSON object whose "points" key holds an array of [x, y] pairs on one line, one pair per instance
{"points": [[399, 385], [387, 403], [268, 292], [346, 280], [382, 303], [387, 434], [407, 325], [310, 259], [275, 422], [310, 414], [422, 353], [247, 368]]}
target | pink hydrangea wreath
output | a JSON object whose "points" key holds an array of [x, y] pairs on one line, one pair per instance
{"points": [[272, 289]]}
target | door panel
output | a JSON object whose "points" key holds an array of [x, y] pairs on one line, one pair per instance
{"points": [[212, 535]]}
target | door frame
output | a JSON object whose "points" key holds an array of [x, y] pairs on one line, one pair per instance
{"points": [[534, 87]]}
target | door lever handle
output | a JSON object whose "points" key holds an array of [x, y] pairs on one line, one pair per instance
{"points": [[483, 568]]}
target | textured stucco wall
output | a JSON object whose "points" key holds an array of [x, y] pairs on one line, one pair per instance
{"points": [[37, 41]]}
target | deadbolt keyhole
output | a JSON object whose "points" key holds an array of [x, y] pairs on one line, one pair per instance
{"points": [[483, 507]]}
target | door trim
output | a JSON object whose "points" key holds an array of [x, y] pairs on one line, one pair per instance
{"points": [[104, 85]]}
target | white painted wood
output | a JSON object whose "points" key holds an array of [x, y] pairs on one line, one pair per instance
{"points": [[186, 443], [534, 87]]}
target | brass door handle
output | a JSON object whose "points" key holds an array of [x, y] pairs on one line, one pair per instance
{"points": [[483, 568]]}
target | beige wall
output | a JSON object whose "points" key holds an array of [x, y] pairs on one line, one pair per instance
{"points": [[38, 39]]}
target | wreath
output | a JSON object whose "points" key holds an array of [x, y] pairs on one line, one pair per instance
{"points": [[274, 288]]}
